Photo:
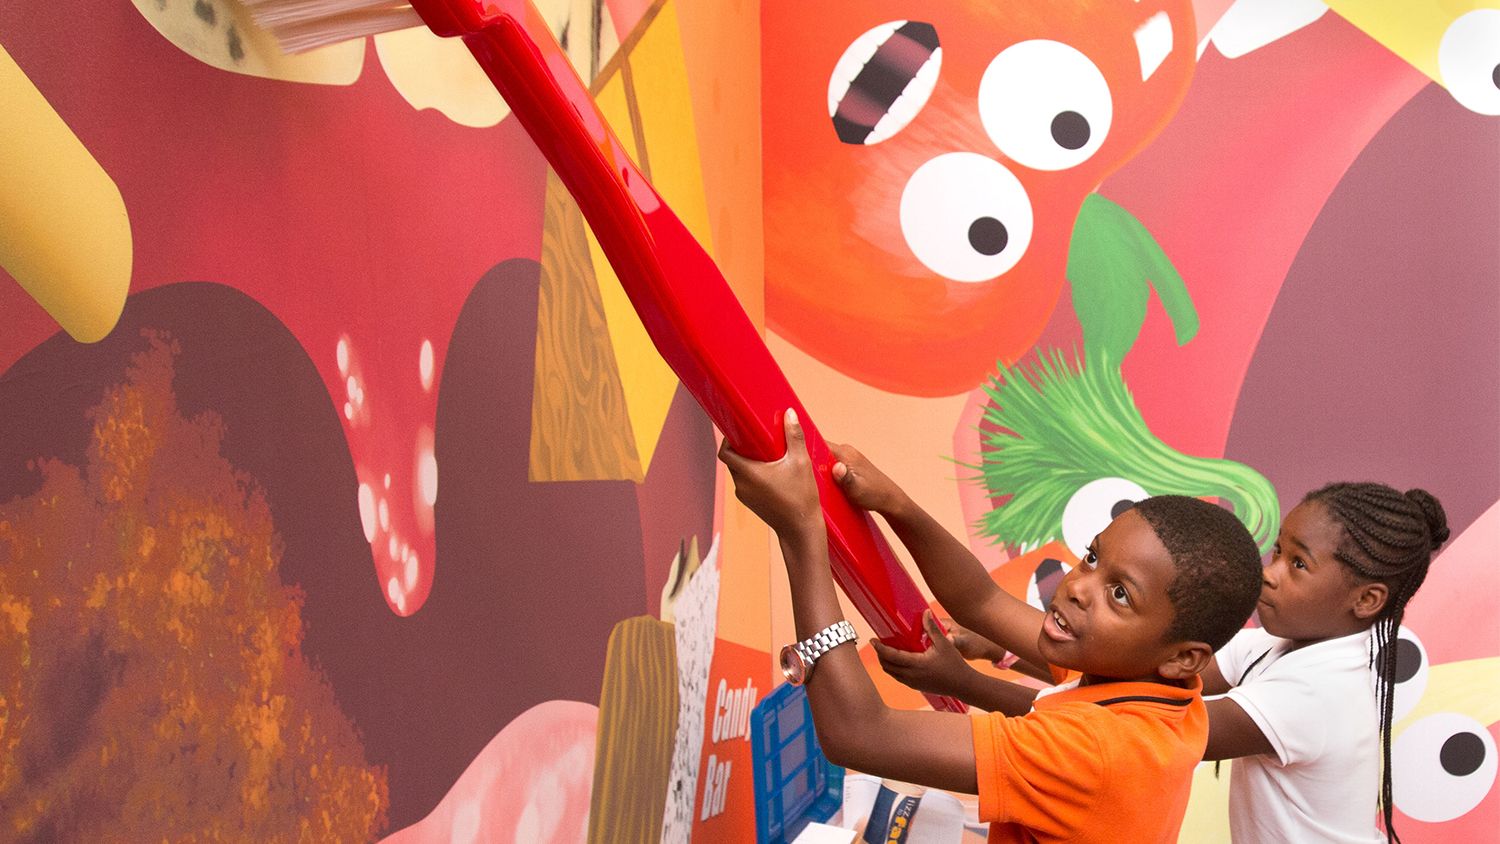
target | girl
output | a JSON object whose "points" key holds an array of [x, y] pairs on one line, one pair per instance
{"points": [[1309, 694]]}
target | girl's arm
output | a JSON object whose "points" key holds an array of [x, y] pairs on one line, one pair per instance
{"points": [[854, 726], [1213, 679], [1231, 732]]}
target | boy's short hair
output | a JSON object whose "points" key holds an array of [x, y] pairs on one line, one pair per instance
{"points": [[1218, 567]]}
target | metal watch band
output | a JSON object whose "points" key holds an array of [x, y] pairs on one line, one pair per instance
{"points": [[825, 640]]}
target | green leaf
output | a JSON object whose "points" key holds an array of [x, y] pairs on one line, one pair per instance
{"points": [[1113, 263]]}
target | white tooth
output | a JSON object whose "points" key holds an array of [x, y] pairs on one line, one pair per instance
{"points": [[854, 59], [838, 86], [1249, 25], [909, 104], [1153, 43]]}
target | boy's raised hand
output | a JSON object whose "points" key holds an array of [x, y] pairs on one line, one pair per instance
{"points": [[783, 493], [940, 669], [971, 645], [864, 485]]}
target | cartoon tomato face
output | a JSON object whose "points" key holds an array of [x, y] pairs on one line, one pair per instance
{"points": [[924, 164]]}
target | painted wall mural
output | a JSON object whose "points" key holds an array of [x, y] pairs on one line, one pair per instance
{"points": [[342, 495]]}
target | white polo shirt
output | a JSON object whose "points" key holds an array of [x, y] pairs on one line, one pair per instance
{"points": [[1316, 706]]}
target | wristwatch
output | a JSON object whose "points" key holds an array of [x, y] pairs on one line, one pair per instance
{"points": [[797, 660]]}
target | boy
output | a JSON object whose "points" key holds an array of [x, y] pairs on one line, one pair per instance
{"points": [[1109, 758]]}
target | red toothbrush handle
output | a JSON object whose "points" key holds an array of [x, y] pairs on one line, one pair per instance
{"points": [[688, 309]]}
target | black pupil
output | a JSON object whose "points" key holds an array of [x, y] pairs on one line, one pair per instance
{"points": [[1070, 129], [1120, 506], [1408, 660], [988, 236], [1495, 76], [1462, 754]]}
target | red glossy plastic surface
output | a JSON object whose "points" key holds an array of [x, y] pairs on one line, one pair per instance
{"points": [[687, 307]]}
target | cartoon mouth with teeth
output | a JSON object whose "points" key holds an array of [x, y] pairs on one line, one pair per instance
{"points": [[927, 211]]}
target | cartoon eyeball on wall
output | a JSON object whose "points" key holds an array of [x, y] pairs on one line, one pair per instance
{"points": [[966, 217], [1093, 507], [1469, 60], [1411, 672], [1442, 767], [1460, 51], [1045, 127]]}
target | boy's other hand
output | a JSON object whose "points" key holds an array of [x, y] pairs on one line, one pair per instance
{"points": [[864, 485], [783, 493], [940, 669], [971, 645]]}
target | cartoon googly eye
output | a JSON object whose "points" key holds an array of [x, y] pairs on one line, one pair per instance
{"points": [[1045, 104], [966, 217], [1469, 60], [1093, 507], [1442, 766], [1411, 672], [883, 80]]}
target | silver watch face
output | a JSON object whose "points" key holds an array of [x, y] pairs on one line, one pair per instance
{"points": [[793, 666]]}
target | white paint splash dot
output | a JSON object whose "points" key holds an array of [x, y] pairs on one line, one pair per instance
{"points": [[424, 364], [412, 569], [466, 823], [367, 511], [342, 353], [397, 597], [427, 475]]}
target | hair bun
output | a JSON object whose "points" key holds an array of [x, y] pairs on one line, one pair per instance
{"points": [[1432, 511]]}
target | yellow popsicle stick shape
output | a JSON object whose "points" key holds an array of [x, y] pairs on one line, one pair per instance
{"points": [[652, 81], [220, 34], [64, 231], [439, 73], [1454, 42]]}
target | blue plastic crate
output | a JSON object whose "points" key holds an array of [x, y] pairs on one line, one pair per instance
{"points": [[794, 782]]}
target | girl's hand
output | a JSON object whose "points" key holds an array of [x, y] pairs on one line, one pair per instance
{"points": [[782, 493], [864, 485], [940, 669]]}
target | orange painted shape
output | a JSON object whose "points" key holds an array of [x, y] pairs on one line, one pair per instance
{"points": [[843, 278], [724, 808]]}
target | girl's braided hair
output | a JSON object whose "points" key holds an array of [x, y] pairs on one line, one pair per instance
{"points": [[1389, 537]]}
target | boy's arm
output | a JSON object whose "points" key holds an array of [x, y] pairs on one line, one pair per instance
{"points": [[972, 646], [942, 670], [854, 726], [957, 579]]}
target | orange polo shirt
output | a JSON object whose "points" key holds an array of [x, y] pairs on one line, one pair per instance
{"points": [[1103, 763]]}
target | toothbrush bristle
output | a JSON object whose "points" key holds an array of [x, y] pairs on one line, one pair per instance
{"points": [[302, 25]]}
